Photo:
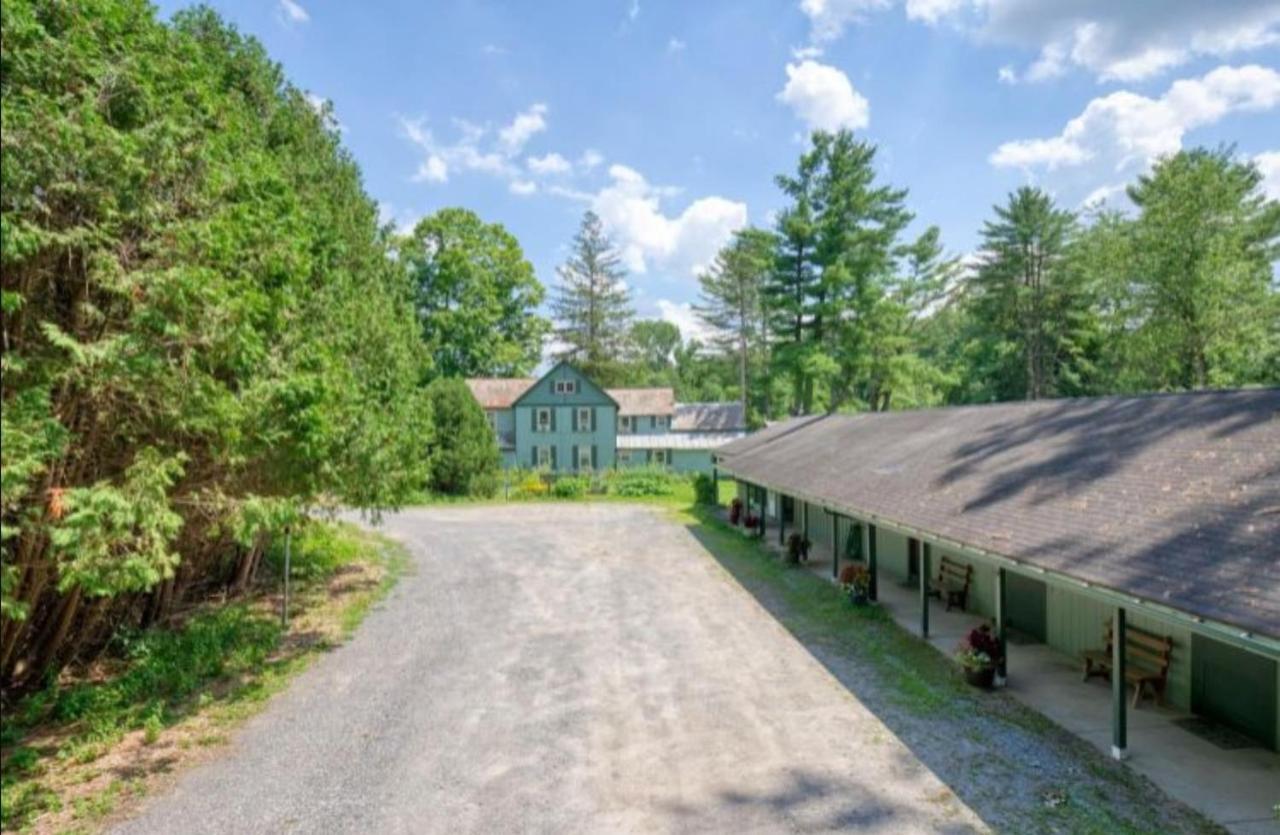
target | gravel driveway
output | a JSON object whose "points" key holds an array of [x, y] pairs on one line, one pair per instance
{"points": [[562, 668]]}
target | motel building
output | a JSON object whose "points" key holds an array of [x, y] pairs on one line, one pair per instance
{"points": [[1134, 535]]}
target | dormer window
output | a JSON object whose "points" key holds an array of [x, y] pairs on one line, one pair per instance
{"points": [[565, 387]]}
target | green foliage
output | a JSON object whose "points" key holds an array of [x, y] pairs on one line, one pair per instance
{"points": [[476, 296], [643, 481], [704, 489], [465, 457], [316, 550], [570, 487], [201, 312]]}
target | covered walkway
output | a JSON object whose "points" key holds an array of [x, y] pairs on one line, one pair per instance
{"points": [[1236, 787]]}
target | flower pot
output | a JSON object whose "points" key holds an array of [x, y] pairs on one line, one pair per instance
{"points": [[982, 677], [858, 597]]}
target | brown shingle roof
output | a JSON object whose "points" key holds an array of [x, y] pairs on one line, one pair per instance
{"points": [[708, 417], [657, 401], [499, 392], [1174, 499]]}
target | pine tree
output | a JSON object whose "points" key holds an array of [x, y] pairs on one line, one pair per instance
{"points": [[592, 305], [731, 302]]}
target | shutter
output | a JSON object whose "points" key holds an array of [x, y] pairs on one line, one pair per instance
{"points": [[575, 420], [593, 420], [648, 455], [594, 463], [533, 419], [534, 463], [553, 419], [575, 457], [554, 463]]}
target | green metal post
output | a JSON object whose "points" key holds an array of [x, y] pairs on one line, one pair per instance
{"points": [[871, 562], [782, 523], [1119, 721], [926, 557], [715, 486], [835, 547], [1002, 670], [284, 605]]}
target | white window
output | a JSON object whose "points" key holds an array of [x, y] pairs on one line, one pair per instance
{"points": [[566, 386], [661, 456], [584, 419], [544, 457], [624, 423], [584, 458], [543, 420]]}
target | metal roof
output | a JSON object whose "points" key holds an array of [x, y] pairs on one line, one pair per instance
{"points": [[677, 440], [1173, 499], [709, 417]]}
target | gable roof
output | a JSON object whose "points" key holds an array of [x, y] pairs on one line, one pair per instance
{"points": [[653, 401], [1174, 499], [577, 373], [709, 417], [499, 392]]}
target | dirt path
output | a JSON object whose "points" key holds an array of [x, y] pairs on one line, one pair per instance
{"points": [[553, 668]]}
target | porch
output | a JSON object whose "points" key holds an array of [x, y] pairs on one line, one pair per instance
{"points": [[1236, 786]]}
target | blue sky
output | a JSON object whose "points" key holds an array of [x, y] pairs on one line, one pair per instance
{"points": [[672, 119]]}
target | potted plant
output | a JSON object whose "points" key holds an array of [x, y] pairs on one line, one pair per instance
{"points": [[979, 655], [735, 511], [797, 548], [751, 521], [856, 581]]}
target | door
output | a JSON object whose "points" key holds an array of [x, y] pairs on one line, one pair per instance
{"points": [[1025, 604], [1234, 687]]}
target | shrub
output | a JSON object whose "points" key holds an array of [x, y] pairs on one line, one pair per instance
{"points": [[645, 481], [465, 457], [529, 486], [704, 489], [735, 511], [570, 487]]}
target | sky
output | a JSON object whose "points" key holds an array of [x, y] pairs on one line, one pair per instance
{"points": [[671, 120]]}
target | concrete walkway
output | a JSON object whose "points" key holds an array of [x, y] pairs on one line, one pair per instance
{"points": [[1237, 788]]}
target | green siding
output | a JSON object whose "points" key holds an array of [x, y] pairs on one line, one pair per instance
{"points": [[564, 438]]}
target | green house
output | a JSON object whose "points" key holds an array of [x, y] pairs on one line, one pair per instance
{"points": [[563, 422]]}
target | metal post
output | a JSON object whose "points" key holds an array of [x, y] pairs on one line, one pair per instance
{"points": [[1002, 670], [284, 608], [926, 557], [1119, 720], [782, 522], [715, 486], [835, 547], [806, 520], [871, 562]]}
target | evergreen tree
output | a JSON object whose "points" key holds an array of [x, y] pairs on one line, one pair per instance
{"points": [[464, 459], [788, 294], [592, 305], [731, 302]]}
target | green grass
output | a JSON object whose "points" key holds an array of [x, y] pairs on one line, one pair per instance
{"points": [[221, 665]]}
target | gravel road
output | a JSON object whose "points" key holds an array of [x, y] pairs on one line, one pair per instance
{"points": [[562, 668]]}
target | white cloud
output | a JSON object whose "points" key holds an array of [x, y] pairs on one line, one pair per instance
{"points": [[676, 45], [631, 209], [1128, 129], [1268, 163], [823, 97], [829, 18], [523, 128], [1115, 41], [633, 10], [551, 163], [931, 11], [1102, 195], [523, 188], [403, 219], [590, 159], [684, 317], [1006, 75], [290, 11]]}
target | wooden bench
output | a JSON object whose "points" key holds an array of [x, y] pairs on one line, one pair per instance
{"points": [[1146, 662], [953, 583]]}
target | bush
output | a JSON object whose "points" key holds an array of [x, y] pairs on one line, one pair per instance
{"points": [[528, 485], [570, 487], [318, 549], [704, 489], [465, 457], [647, 481]]}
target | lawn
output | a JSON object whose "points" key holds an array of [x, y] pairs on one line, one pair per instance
{"points": [[79, 753]]}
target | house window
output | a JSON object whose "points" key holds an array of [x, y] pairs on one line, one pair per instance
{"points": [[584, 458], [661, 422], [566, 386], [624, 456], [544, 457], [584, 419], [543, 420], [493, 420], [624, 423], [661, 457]]}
